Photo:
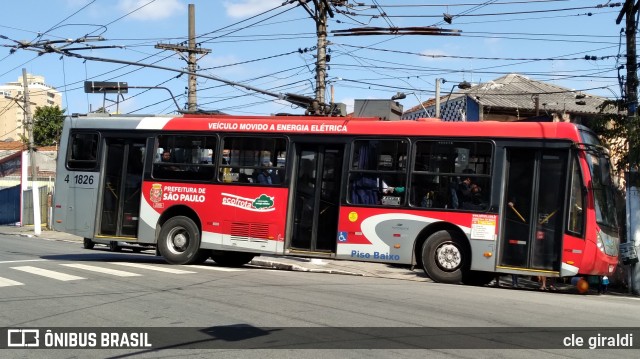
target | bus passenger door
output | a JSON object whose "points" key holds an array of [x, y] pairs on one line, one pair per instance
{"points": [[317, 197], [120, 205], [533, 212]]}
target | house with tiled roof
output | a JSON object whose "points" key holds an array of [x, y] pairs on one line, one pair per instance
{"points": [[11, 163], [512, 97]]}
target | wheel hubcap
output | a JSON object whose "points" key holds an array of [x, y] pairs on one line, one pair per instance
{"points": [[448, 256], [178, 240]]}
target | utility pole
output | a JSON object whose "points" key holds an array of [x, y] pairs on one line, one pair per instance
{"points": [[632, 181], [321, 65], [191, 59], [37, 222]]}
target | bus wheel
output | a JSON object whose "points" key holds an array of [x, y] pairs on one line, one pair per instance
{"points": [[88, 243], [232, 259], [443, 257], [114, 247], [179, 242]]}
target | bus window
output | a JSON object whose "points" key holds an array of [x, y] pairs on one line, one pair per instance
{"points": [[253, 160], [187, 157], [576, 203], [451, 175], [83, 150], [378, 172]]}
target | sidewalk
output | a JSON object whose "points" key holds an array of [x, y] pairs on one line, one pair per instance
{"points": [[316, 265]]}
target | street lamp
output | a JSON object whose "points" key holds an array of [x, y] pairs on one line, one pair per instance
{"points": [[464, 85], [403, 95]]}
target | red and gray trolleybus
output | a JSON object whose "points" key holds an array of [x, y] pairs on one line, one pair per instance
{"points": [[463, 201]]}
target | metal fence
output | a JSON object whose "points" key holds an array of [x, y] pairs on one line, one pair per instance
{"points": [[10, 205]]}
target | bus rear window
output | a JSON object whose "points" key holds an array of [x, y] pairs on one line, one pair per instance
{"points": [[83, 151]]}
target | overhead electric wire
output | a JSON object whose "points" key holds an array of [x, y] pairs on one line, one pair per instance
{"points": [[239, 22], [486, 14], [384, 71], [475, 4], [250, 61], [475, 57], [67, 18]]}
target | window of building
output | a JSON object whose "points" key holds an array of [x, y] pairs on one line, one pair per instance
{"points": [[377, 174], [184, 157], [253, 160], [451, 175], [83, 151]]}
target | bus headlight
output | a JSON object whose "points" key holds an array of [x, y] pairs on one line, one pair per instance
{"points": [[599, 242]]}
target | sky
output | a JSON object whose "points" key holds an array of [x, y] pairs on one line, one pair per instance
{"points": [[270, 45]]}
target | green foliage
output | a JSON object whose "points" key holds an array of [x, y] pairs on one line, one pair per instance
{"points": [[47, 125], [620, 133]]}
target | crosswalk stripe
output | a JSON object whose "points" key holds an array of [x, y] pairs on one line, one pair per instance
{"points": [[48, 273], [24, 260], [119, 273], [221, 269], [4, 282], [152, 267]]}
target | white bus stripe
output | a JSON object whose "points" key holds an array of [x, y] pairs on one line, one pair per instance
{"points": [[4, 282], [152, 267], [48, 273], [119, 273], [221, 269]]}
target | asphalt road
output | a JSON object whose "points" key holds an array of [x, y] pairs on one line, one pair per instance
{"points": [[49, 284]]}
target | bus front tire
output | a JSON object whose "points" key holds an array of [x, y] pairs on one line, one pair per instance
{"points": [[179, 242], [445, 257], [232, 259], [88, 243]]}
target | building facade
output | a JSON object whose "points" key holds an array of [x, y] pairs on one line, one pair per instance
{"points": [[512, 97], [12, 124]]}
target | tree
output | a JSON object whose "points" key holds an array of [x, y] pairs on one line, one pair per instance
{"points": [[620, 133], [47, 125]]}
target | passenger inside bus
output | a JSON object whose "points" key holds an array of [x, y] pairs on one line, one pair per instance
{"points": [[470, 195], [266, 175], [374, 190], [166, 158]]}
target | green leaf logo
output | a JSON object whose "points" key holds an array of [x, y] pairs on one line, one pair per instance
{"points": [[263, 202]]}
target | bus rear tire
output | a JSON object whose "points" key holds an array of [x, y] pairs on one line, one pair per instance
{"points": [[444, 257], [88, 243], [114, 247], [232, 259], [179, 242]]}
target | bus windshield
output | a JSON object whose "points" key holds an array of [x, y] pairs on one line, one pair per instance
{"points": [[602, 182]]}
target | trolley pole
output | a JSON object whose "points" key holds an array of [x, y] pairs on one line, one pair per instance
{"points": [[37, 222]]}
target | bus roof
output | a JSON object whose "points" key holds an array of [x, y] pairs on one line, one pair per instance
{"points": [[331, 125]]}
